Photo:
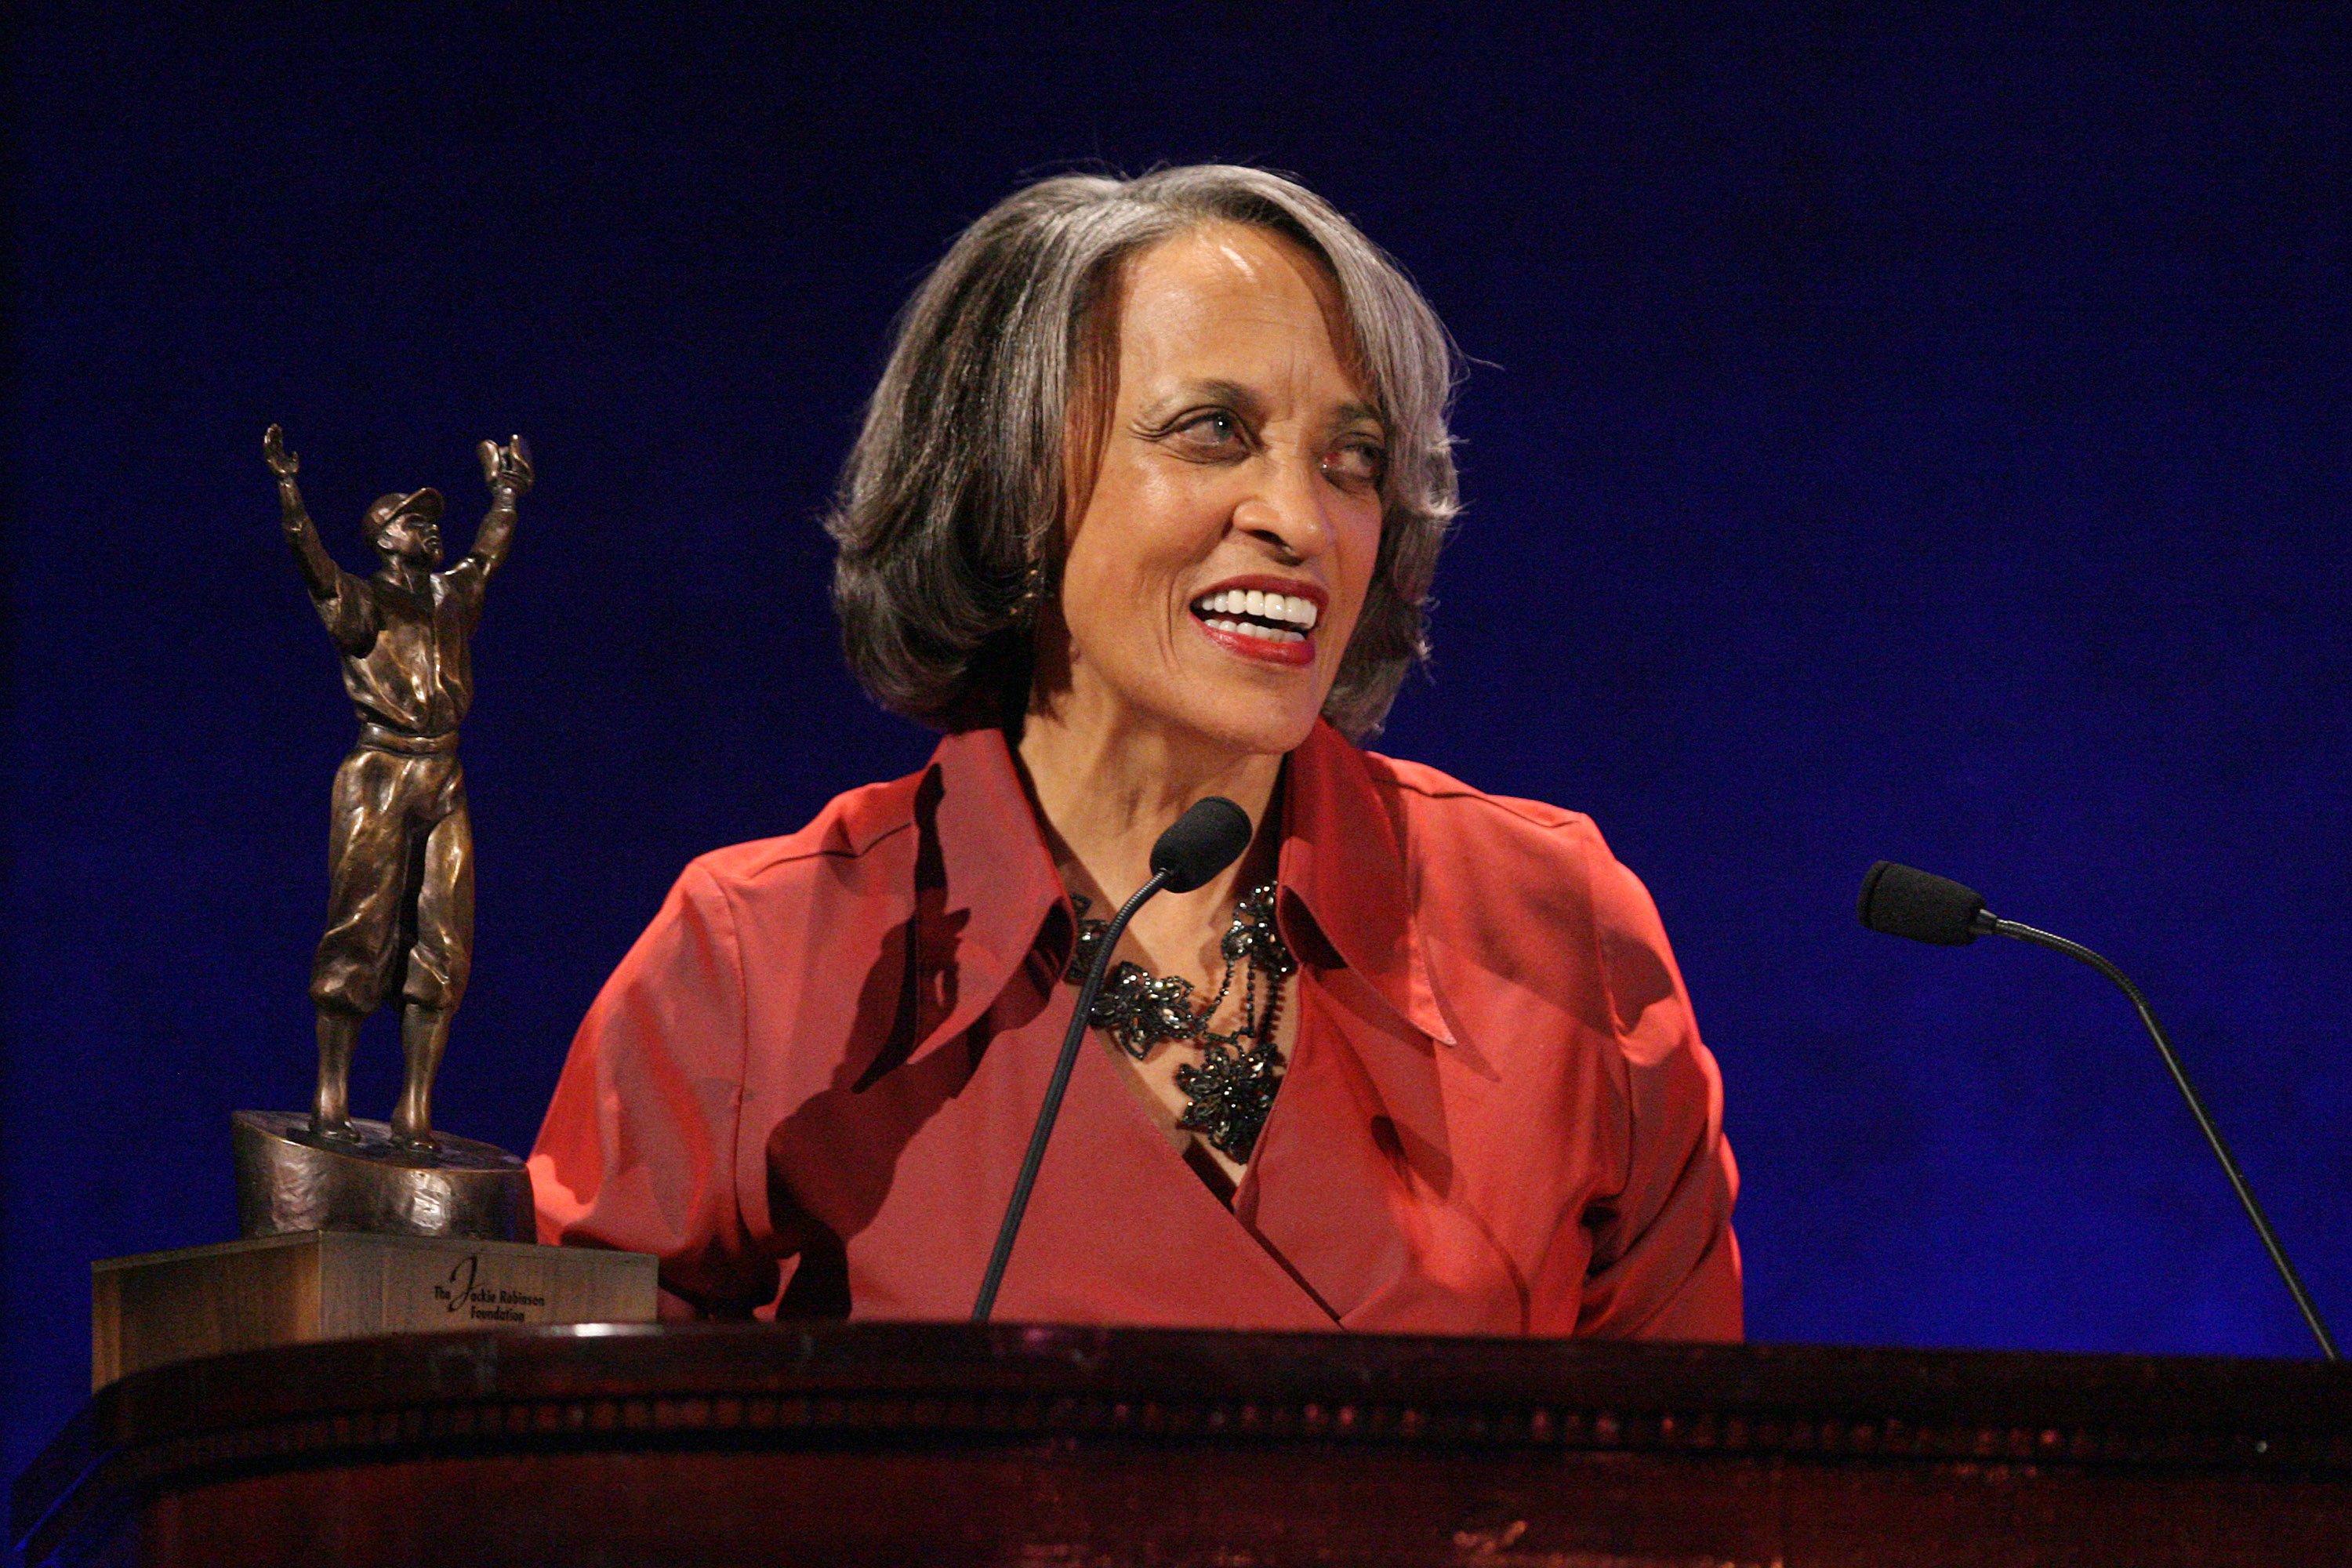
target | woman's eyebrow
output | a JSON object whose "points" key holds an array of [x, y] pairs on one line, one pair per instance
{"points": [[1358, 413], [1232, 394]]}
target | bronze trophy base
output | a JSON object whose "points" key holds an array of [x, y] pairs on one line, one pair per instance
{"points": [[350, 1237], [287, 1179], [331, 1284]]}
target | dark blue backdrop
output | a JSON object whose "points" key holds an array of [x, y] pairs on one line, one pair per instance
{"points": [[1904, 438]]}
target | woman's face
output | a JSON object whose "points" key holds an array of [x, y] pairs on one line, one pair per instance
{"points": [[1217, 568]]}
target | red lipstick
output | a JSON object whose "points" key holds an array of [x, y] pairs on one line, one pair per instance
{"points": [[1264, 618]]}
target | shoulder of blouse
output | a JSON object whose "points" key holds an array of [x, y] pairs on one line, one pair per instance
{"points": [[852, 827], [1528, 894], [1495, 843]]}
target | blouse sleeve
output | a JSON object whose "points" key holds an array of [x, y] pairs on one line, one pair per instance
{"points": [[1664, 1263], [638, 1149]]}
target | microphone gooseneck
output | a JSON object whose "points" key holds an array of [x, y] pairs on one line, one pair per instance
{"points": [[1901, 901], [1208, 836]]}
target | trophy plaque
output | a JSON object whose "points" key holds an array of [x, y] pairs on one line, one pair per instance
{"points": [[353, 1225]]}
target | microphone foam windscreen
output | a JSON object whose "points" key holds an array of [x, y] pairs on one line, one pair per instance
{"points": [[1920, 905], [1208, 836]]}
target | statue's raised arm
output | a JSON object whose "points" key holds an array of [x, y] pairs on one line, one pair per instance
{"points": [[319, 574], [507, 470]]}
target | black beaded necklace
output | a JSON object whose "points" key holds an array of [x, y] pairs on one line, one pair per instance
{"points": [[1229, 1094]]}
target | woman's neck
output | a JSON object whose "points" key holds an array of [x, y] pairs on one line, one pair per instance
{"points": [[1108, 789]]}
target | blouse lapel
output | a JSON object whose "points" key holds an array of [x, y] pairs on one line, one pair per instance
{"points": [[1133, 1228], [1352, 1183]]}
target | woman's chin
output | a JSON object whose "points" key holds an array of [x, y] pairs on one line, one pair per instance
{"points": [[1217, 703], [1247, 722]]}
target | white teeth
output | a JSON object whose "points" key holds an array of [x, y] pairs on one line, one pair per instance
{"points": [[1297, 609], [1263, 634]]}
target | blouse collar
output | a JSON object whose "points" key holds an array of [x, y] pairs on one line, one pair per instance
{"points": [[997, 892]]}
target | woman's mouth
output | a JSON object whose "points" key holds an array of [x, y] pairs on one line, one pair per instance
{"points": [[1273, 627]]}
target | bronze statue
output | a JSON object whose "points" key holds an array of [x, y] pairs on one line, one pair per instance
{"points": [[400, 916]]}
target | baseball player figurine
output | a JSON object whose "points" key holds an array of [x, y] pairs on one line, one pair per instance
{"points": [[400, 920]]}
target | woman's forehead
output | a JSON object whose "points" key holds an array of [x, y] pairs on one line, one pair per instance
{"points": [[1234, 299]]}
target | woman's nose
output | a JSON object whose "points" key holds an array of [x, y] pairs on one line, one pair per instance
{"points": [[1285, 509]]}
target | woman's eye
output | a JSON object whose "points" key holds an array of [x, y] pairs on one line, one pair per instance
{"points": [[1217, 431], [1356, 464]]}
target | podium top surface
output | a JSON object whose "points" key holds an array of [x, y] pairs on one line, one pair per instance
{"points": [[617, 1384]]}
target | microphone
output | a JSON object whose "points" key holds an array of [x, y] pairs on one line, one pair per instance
{"points": [[1902, 901], [1208, 836], [1922, 906]]}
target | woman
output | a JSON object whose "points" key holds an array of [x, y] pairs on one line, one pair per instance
{"points": [[1146, 508]]}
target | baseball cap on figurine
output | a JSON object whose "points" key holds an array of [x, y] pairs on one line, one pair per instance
{"points": [[425, 503]]}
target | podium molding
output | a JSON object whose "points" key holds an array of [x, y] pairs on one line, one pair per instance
{"points": [[945, 1443]]}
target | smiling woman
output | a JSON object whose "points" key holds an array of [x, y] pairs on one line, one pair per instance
{"points": [[1146, 508]]}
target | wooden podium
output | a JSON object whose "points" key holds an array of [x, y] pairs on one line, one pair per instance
{"points": [[905, 1444]]}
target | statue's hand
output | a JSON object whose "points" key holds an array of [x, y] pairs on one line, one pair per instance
{"points": [[281, 462], [509, 465]]}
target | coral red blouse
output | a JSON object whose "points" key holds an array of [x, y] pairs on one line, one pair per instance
{"points": [[810, 1084]]}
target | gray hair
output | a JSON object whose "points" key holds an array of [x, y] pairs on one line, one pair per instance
{"points": [[952, 501]]}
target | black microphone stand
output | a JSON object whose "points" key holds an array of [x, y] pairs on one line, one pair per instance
{"points": [[1987, 921], [1096, 970]]}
